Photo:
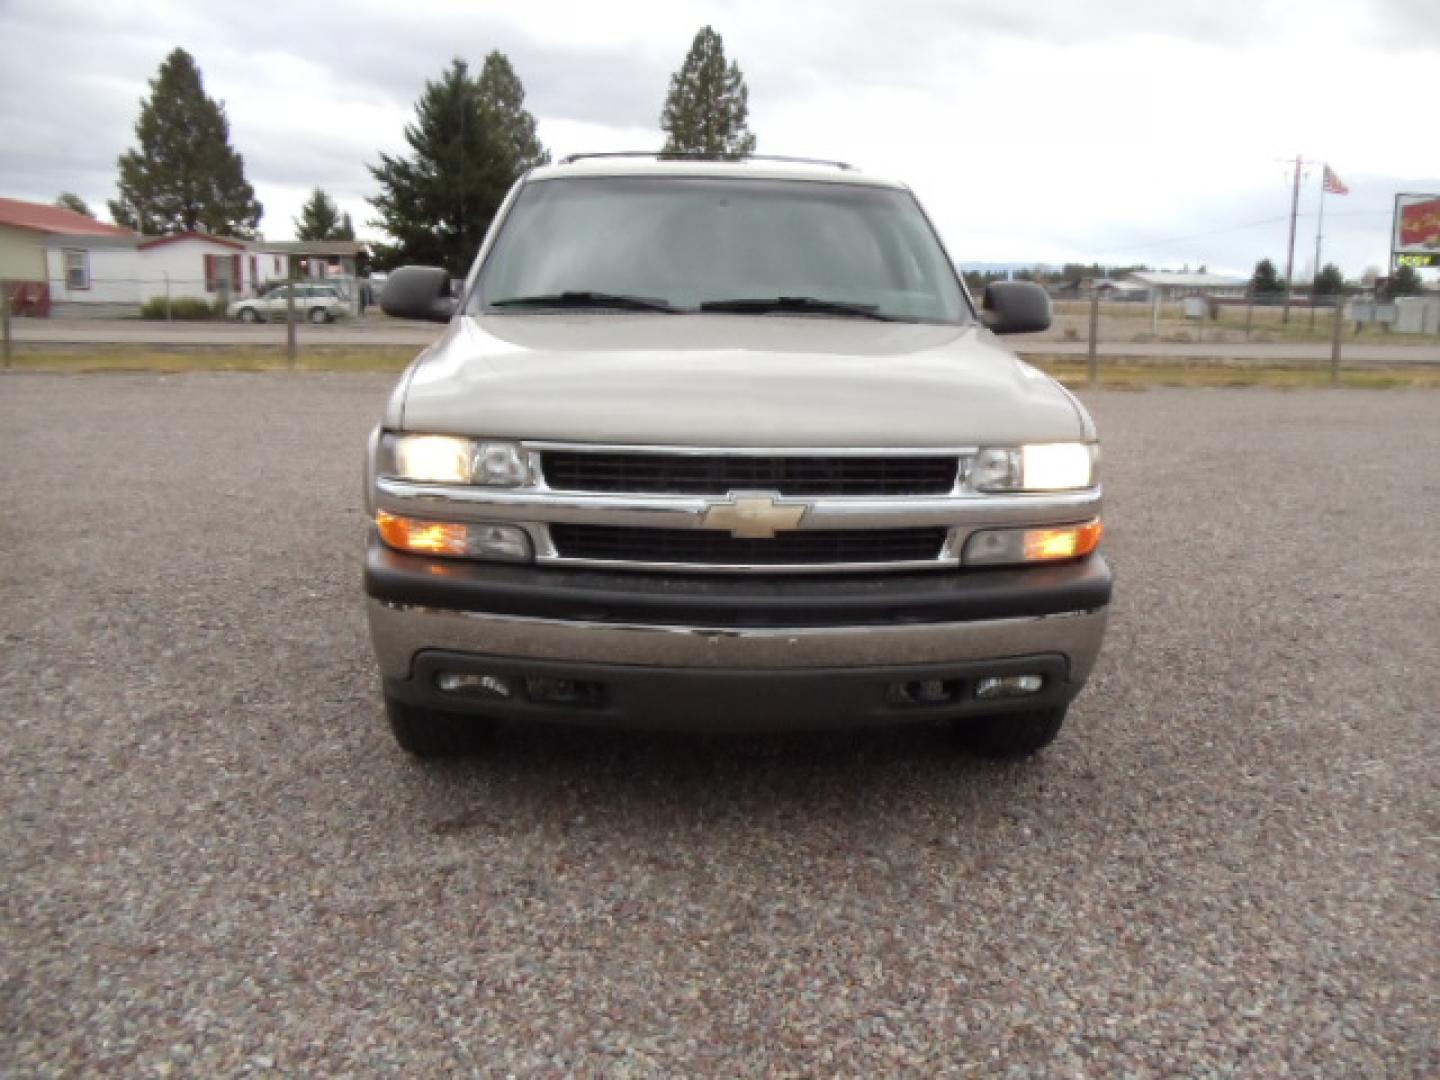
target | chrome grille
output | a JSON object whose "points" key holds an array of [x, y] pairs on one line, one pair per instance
{"points": [[795, 475], [611, 543]]}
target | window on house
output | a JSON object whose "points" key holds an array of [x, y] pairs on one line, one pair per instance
{"points": [[77, 269]]}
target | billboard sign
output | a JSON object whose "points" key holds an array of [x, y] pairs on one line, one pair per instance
{"points": [[1417, 225]]}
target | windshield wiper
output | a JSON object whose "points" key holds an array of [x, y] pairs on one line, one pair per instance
{"points": [[806, 304], [586, 300]]}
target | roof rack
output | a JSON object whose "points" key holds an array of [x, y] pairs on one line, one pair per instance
{"points": [[705, 155]]}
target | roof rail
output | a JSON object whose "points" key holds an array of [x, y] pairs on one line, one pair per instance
{"points": [[705, 155]]}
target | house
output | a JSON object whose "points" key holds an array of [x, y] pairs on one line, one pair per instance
{"points": [[63, 262], [197, 266], [1165, 287]]}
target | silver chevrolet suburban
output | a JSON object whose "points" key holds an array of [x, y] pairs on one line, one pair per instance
{"points": [[727, 445]]}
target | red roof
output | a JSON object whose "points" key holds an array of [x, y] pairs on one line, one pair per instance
{"points": [[40, 217], [156, 241]]}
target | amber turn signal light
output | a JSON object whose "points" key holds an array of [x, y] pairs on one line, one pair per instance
{"points": [[423, 537], [1008, 547], [1068, 542]]}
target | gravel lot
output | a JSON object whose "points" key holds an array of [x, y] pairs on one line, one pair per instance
{"points": [[214, 859]]}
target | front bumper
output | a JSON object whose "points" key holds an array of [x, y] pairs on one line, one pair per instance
{"points": [[712, 653]]}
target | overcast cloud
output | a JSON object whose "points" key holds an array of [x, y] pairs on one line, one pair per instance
{"points": [[1127, 130]]}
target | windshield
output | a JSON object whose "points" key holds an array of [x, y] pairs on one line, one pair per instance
{"points": [[703, 243]]}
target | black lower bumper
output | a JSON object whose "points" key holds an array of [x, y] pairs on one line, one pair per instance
{"points": [[609, 695], [757, 600]]}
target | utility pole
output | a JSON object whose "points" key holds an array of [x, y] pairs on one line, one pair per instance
{"points": [[1290, 256], [1319, 231]]}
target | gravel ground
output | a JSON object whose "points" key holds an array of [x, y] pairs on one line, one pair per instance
{"points": [[214, 860]]}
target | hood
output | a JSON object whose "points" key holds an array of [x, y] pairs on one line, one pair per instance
{"points": [[731, 380]]}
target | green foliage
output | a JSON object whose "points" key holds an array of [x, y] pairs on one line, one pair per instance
{"points": [[1265, 281], [471, 139], [708, 106], [1405, 282], [186, 307], [1329, 281], [320, 219], [185, 176], [68, 200]]}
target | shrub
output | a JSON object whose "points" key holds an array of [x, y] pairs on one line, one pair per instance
{"points": [[185, 307]]}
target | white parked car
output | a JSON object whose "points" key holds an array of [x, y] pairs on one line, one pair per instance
{"points": [[313, 302]]}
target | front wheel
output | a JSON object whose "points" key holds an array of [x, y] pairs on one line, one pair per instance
{"points": [[319, 315], [1011, 735], [248, 315], [434, 733]]}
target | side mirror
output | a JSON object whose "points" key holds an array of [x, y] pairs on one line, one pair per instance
{"points": [[419, 292], [1015, 307]]}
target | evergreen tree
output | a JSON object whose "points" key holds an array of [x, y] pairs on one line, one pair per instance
{"points": [[185, 176], [708, 105], [1329, 281], [1266, 280], [68, 200], [320, 219], [1405, 282], [471, 139]]}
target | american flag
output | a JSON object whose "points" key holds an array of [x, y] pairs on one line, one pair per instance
{"points": [[1333, 184]]}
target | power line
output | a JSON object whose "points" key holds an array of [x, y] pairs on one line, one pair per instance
{"points": [[1233, 228]]}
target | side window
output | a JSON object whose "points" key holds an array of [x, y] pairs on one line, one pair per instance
{"points": [[77, 269]]}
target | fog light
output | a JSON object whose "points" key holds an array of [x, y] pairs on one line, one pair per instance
{"points": [[1008, 686], [486, 686]]}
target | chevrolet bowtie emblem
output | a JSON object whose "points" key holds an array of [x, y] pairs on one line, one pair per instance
{"points": [[753, 517]]}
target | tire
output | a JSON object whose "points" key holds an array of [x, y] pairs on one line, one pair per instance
{"points": [[319, 315], [247, 314], [1011, 735], [433, 733]]}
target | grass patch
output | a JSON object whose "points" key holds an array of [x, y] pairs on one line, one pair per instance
{"points": [[1134, 376], [90, 358], [1069, 370]]}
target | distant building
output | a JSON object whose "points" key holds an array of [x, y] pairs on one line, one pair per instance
{"points": [[62, 261], [1164, 286], [195, 266]]}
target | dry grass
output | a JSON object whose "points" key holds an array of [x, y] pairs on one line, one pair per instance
{"points": [[209, 358], [1072, 372], [1202, 374]]}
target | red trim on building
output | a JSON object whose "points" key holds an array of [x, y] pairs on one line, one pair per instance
{"points": [[224, 241], [55, 220]]}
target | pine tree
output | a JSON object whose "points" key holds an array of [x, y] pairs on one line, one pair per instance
{"points": [[320, 219], [68, 200], [708, 106], [185, 176], [1405, 282], [1266, 280], [1329, 281], [471, 139]]}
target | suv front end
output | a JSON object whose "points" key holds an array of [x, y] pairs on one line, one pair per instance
{"points": [[714, 518]]}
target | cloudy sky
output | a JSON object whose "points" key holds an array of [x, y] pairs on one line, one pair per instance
{"points": [[1049, 130]]}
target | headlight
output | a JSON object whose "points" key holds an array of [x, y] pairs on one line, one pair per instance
{"points": [[452, 459], [1040, 467]]}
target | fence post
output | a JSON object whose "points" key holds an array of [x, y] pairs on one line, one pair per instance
{"points": [[1094, 332], [290, 318], [1335, 339], [169, 313], [5, 317]]}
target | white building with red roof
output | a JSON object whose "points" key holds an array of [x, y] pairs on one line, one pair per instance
{"points": [[62, 261]]}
